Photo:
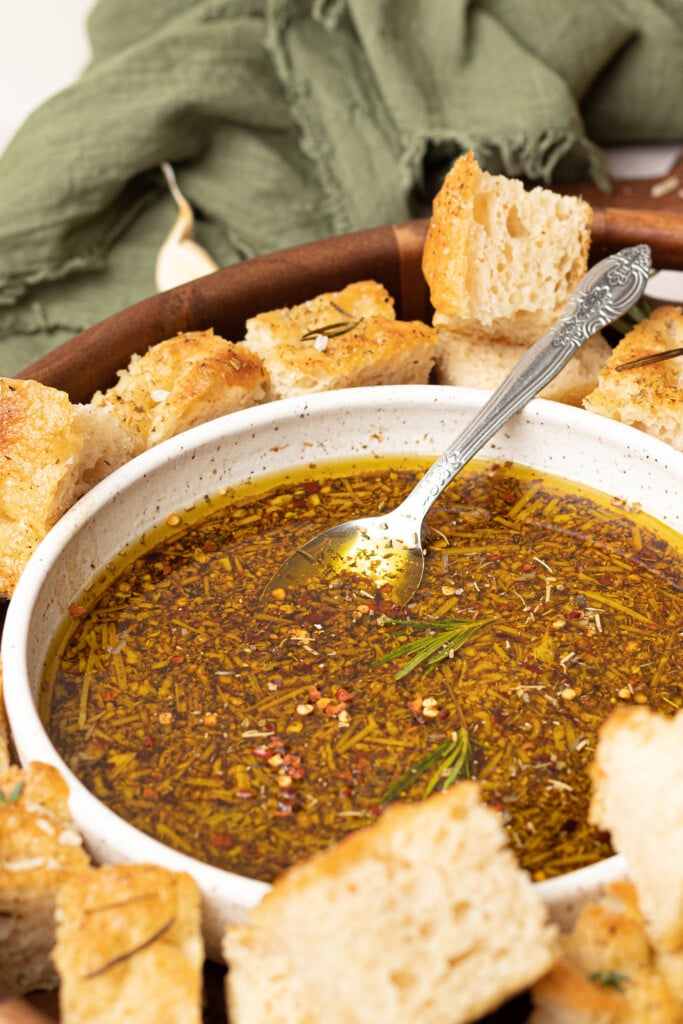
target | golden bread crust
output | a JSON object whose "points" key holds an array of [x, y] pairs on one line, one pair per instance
{"points": [[39, 849], [378, 350], [181, 382], [285, 326], [649, 398], [129, 946], [39, 445]]}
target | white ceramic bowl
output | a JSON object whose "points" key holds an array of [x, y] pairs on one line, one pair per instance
{"points": [[565, 441]]}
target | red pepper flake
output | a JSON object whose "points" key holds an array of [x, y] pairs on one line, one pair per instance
{"points": [[110, 694], [314, 693], [263, 753], [77, 610], [244, 794], [415, 706], [343, 695], [221, 839], [178, 659], [575, 613], [148, 740], [149, 793]]}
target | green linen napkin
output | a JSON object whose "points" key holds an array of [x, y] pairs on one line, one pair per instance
{"points": [[290, 120]]}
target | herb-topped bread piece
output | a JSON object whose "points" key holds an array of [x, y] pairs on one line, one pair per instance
{"points": [[424, 916], [40, 849], [347, 338], [499, 259], [637, 777], [648, 396], [129, 947], [608, 972], [181, 382]]}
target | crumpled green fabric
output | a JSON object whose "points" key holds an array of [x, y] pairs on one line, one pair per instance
{"points": [[290, 120]]}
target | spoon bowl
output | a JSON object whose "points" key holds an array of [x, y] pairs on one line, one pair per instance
{"points": [[386, 551]]}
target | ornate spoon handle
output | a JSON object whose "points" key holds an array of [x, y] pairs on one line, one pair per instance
{"points": [[607, 291]]}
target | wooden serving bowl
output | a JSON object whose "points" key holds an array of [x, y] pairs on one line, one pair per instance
{"points": [[225, 299]]}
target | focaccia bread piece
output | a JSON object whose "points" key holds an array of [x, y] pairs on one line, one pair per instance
{"points": [[328, 311], [343, 339], [376, 350], [129, 947], [53, 452], [40, 848], [650, 397], [424, 916], [502, 260], [180, 383], [637, 777], [608, 972], [474, 361]]}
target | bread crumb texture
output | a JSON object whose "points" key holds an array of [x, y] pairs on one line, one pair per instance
{"points": [[425, 916], [501, 259], [650, 397], [52, 453], [129, 946], [40, 848]]}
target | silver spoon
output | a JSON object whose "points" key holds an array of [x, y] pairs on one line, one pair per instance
{"points": [[387, 549]]}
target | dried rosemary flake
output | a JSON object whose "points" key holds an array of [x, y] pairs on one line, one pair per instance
{"points": [[115, 961], [656, 357], [333, 330]]}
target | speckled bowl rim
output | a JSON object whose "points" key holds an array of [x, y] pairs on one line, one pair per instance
{"points": [[552, 437]]}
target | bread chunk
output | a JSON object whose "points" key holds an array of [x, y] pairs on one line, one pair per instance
{"points": [[329, 310], [474, 361], [53, 452], [40, 849], [637, 777], [424, 916], [129, 947], [649, 398], [343, 339], [180, 383], [376, 351], [608, 973], [500, 259]]}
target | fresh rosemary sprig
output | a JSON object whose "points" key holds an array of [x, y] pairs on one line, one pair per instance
{"points": [[448, 762], [333, 330], [638, 311], [438, 641]]}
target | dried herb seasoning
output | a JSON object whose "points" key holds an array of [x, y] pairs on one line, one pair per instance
{"points": [[250, 734]]}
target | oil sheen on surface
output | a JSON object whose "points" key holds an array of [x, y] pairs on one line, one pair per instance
{"points": [[250, 734]]}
